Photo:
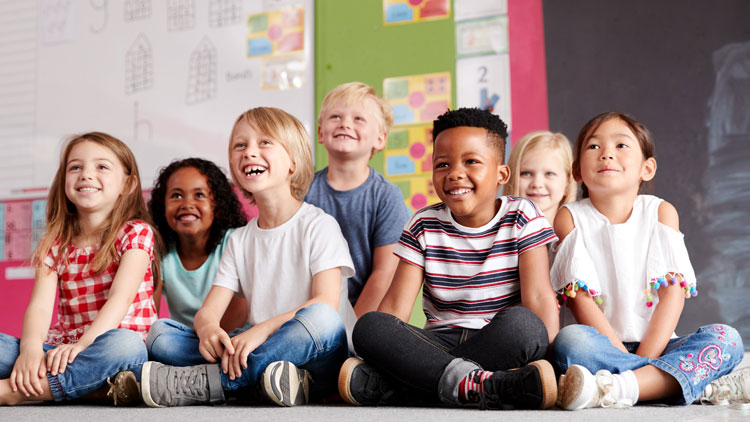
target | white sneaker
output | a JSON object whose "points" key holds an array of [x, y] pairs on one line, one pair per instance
{"points": [[580, 390], [733, 388]]}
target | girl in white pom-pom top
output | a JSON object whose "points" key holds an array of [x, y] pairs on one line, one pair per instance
{"points": [[623, 269]]}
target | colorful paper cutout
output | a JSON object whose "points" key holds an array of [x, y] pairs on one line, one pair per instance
{"points": [[408, 164], [418, 98], [397, 12], [276, 32]]}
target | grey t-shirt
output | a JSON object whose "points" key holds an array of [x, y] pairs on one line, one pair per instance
{"points": [[372, 214]]}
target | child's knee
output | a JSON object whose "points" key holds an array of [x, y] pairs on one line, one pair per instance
{"points": [[728, 339], [367, 327], [572, 338], [158, 344], [323, 319], [124, 345]]}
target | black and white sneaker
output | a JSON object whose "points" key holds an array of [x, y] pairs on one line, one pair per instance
{"points": [[285, 384], [530, 387], [361, 384]]}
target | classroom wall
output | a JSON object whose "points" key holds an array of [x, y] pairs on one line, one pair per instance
{"points": [[682, 67]]}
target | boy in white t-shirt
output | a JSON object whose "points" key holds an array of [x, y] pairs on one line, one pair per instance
{"points": [[290, 264]]}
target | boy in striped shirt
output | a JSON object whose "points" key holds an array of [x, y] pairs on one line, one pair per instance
{"points": [[487, 296]]}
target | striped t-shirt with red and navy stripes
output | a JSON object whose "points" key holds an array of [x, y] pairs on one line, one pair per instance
{"points": [[471, 273]]}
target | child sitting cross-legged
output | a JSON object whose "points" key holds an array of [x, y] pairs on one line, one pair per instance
{"points": [[490, 308]]}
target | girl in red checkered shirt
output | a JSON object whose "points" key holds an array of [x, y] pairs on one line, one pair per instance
{"points": [[97, 254]]}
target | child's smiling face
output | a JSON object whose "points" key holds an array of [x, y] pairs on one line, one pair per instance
{"points": [[352, 130], [189, 206], [467, 174], [543, 179], [261, 164]]}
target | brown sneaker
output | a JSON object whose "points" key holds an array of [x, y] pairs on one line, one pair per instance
{"points": [[530, 387], [124, 390]]}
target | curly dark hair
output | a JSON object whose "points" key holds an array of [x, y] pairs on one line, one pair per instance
{"points": [[497, 130], [228, 211]]}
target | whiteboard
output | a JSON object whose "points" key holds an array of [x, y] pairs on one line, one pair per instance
{"points": [[168, 77]]}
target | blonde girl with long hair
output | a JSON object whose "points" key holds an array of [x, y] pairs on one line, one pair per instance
{"points": [[541, 169]]}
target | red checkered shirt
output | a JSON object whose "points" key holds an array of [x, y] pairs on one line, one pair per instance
{"points": [[83, 293]]}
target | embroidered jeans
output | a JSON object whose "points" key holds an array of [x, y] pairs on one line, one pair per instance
{"points": [[693, 360], [115, 350], [315, 340]]}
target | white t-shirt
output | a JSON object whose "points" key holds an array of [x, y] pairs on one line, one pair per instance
{"points": [[619, 260], [273, 269]]}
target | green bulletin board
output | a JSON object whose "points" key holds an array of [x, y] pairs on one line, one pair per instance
{"points": [[352, 44]]}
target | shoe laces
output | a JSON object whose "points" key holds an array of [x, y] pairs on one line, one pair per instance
{"points": [[190, 382], [607, 398], [112, 392], [729, 389], [497, 388]]}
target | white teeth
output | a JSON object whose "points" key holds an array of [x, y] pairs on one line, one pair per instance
{"points": [[88, 189], [250, 170], [460, 191], [188, 218], [343, 137]]}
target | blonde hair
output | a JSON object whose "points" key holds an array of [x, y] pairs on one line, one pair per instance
{"points": [[285, 128], [62, 215], [538, 140], [354, 92]]}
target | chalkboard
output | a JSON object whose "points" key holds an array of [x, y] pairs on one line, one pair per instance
{"points": [[167, 77], [683, 69]]}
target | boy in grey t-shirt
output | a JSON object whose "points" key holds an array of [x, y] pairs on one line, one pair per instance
{"points": [[353, 124]]}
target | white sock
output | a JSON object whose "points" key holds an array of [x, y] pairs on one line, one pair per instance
{"points": [[625, 386]]}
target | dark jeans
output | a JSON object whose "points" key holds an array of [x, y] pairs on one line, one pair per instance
{"points": [[417, 358]]}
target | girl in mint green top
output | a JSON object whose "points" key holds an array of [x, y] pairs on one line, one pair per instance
{"points": [[194, 209]]}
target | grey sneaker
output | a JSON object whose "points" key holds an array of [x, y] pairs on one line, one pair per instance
{"points": [[163, 385], [124, 390], [285, 384]]}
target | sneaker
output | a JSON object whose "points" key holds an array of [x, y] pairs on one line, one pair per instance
{"points": [[580, 390], [360, 384], [285, 384], [124, 390], [531, 387], [733, 388], [163, 385]]}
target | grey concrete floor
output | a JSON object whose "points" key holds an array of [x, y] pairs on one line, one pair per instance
{"points": [[333, 413]]}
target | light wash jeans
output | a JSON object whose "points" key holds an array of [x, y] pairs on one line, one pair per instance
{"points": [[693, 360], [314, 339], [114, 351]]}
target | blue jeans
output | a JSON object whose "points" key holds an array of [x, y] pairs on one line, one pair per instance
{"points": [[314, 339], [693, 360], [114, 351]]}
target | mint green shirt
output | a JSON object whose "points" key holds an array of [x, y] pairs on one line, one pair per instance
{"points": [[186, 290]]}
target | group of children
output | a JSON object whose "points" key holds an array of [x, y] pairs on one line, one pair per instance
{"points": [[315, 294]]}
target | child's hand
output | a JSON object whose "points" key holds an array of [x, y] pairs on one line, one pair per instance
{"points": [[244, 344], [214, 342], [63, 355], [29, 369]]}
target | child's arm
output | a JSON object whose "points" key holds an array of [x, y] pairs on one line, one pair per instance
{"points": [[671, 301], [384, 264], [235, 316], [399, 300], [326, 287], [583, 306], [214, 341], [536, 288], [31, 366], [129, 276]]}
